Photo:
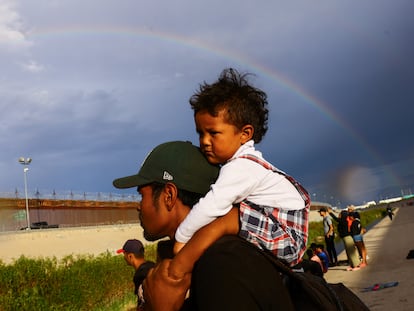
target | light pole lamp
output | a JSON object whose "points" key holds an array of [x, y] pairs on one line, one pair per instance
{"points": [[26, 162]]}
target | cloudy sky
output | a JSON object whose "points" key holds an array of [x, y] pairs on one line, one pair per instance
{"points": [[88, 87]]}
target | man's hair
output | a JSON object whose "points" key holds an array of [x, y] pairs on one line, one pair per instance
{"points": [[243, 103], [187, 198]]}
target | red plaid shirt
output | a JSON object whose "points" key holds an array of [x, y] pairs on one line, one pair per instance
{"points": [[283, 232]]}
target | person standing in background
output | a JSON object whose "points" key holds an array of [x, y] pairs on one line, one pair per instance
{"points": [[329, 234], [357, 231], [345, 234], [134, 251]]}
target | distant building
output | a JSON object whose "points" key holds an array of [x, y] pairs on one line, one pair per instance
{"points": [[386, 201], [315, 206]]}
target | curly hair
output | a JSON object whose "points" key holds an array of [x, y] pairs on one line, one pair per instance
{"points": [[243, 103]]}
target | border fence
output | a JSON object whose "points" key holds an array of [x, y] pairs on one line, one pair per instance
{"points": [[70, 195], [51, 209]]}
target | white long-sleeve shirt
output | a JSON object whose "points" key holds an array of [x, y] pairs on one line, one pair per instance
{"points": [[240, 179]]}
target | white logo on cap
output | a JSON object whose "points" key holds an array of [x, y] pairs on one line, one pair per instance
{"points": [[167, 176]]}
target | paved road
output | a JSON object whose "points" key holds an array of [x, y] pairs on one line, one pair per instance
{"points": [[388, 244]]}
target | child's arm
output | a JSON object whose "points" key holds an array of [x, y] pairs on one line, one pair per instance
{"points": [[184, 261], [177, 247], [334, 217]]}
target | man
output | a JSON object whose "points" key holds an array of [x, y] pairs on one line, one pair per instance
{"points": [[329, 234], [133, 251], [345, 235], [231, 274], [389, 212]]}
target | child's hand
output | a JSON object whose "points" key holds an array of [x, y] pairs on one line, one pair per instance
{"points": [[177, 247]]}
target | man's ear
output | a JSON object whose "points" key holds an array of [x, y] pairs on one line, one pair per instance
{"points": [[247, 132], [170, 195]]}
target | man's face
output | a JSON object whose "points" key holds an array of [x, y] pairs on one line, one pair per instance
{"points": [[153, 216], [127, 257]]}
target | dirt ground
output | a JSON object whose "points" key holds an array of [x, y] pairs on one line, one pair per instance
{"points": [[60, 242]]}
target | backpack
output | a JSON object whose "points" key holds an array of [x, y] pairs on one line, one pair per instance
{"points": [[343, 224], [310, 292]]}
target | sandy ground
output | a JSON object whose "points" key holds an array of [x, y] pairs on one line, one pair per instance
{"points": [[66, 241], [388, 244]]}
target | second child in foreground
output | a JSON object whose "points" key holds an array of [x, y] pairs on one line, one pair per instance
{"points": [[230, 117]]}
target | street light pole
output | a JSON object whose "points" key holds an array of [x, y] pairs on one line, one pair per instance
{"points": [[26, 162]]}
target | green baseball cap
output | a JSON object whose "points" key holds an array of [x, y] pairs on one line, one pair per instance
{"points": [[178, 162]]}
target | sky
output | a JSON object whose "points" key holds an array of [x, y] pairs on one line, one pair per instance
{"points": [[88, 88]]}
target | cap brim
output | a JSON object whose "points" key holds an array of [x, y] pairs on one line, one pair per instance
{"points": [[130, 182], [119, 251]]}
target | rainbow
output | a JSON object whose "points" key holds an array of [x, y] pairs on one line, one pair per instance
{"points": [[234, 57]]}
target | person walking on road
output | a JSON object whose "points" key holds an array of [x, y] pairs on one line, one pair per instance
{"points": [[389, 212]]}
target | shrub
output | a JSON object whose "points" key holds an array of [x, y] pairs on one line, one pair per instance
{"points": [[74, 283]]}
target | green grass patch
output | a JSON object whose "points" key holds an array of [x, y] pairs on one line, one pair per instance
{"points": [[74, 283]]}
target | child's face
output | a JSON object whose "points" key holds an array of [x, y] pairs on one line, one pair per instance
{"points": [[219, 140]]}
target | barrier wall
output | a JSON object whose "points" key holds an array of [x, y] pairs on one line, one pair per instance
{"points": [[65, 213]]}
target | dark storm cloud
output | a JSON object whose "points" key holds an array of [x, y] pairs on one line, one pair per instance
{"points": [[88, 88]]}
